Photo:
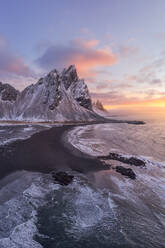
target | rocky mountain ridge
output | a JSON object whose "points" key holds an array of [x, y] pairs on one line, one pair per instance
{"points": [[59, 96], [98, 105]]}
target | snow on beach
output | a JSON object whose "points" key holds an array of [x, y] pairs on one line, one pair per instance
{"points": [[12, 132]]}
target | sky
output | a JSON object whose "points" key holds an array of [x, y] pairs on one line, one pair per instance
{"points": [[116, 45]]}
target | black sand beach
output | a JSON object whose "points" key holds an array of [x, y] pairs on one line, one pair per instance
{"points": [[104, 209], [44, 152]]}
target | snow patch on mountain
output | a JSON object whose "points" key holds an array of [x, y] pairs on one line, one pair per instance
{"points": [[59, 96]]}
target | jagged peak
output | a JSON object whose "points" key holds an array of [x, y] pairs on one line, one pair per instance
{"points": [[69, 73], [98, 104], [67, 76], [8, 92], [56, 96], [69, 69]]}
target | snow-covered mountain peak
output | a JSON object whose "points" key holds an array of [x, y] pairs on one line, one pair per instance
{"points": [[58, 96], [8, 93]]}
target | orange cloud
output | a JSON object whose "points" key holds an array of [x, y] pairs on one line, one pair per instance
{"points": [[86, 44], [84, 54], [92, 59]]}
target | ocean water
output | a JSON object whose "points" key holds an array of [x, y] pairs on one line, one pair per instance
{"points": [[140, 204], [101, 209]]}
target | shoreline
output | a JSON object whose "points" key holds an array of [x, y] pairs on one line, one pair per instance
{"points": [[107, 196], [72, 123], [45, 152]]}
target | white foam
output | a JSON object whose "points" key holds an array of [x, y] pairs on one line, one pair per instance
{"points": [[24, 193], [22, 236], [28, 129], [92, 145], [20, 133]]}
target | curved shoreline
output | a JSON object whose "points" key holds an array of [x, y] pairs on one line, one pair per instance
{"points": [[44, 152], [105, 120]]}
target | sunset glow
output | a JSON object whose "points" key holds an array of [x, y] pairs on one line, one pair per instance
{"points": [[154, 103], [122, 62], [82, 123]]}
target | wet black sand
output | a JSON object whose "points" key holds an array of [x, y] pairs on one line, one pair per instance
{"points": [[44, 152]]}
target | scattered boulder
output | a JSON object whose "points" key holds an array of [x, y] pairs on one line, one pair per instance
{"points": [[125, 160], [126, 172], [62, 178]]}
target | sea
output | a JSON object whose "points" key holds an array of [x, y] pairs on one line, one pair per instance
{"points": [[100, 209]]}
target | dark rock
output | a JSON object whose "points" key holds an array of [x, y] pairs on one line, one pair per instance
{"points": [[57, 100], [62, 178], [8, 93], [69, 76], [40, 81], [136, 122], [86, 103], [99, 105], [126, 172], [131, 160]]}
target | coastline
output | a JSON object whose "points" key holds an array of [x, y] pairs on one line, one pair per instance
{"points": [[66, 123], [97, 199], [44, 152]]}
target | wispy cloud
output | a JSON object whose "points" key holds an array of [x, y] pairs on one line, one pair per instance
{"points": [[115, 98], [151, 74], [128, 50], [10, 63]]}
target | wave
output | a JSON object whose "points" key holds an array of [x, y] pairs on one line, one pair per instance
{"points": [[75, 212]]}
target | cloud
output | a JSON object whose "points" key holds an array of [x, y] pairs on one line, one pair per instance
{"points": [[10, 63], [101, 86], [115, 98], [86, 31], [128, 50], [84, 54], [156, 81], [112, 85], [152, 74], [159, 35]]}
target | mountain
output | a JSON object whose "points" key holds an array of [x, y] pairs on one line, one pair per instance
{"points": [[8, 96], [59, 96], [98, 108], [98, 105]]}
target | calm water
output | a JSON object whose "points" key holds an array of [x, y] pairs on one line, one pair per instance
{"points": [[102, 209]]}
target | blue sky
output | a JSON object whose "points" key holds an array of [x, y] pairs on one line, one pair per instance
{"points": [[117, 45]]}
